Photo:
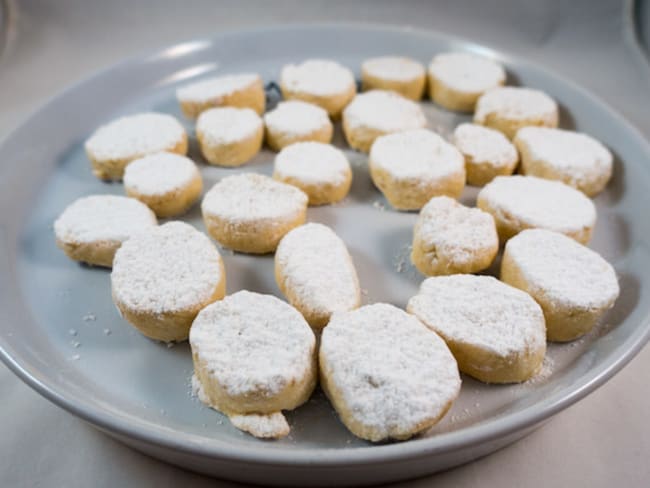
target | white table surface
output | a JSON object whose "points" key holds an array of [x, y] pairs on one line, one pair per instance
{"points": [[604, 440]]}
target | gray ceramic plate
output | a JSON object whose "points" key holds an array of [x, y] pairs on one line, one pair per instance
{"points": [[63, 336]]}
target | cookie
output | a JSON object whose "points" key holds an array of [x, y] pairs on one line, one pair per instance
{"points": [[239, 90], [229, 136], [386, 374], [510, 108], [251, 212], [167, 183], [496, 332], [376, 113], [524, 202], [411, 167], [163, 277], [488, 153], [457, 80], [296, 121], [116, 144], [574, 285], [451, 238], [321, 82], [571, 157], [254, 356], [402, 75], [91, 229], [320, 170], [314, 270]]}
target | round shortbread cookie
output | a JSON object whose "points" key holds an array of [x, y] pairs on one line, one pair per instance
{"points": [[488, 153], [402, 75], [571, 157], [451, 238], [314, 270], [254, 356], [241, 90], [296, 121], [457, 80], [321, 82], [251, 212], [573, 284], [92, 228], [167, 183], [386, 374], [510, 108], [413, 166], [524, 202], [377, 113], [320, 170], [116, 144], [495, 331], [164, 276], [229, 136]]}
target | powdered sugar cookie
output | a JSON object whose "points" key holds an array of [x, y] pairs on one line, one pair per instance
{"points": [[377, 113], [510, 108], [167, 183], [116, 144], [386, 374], [321, 82], [296, 121], [314, 270], [229, 136], [488, 153], [240, 90], [320, 170], [496, 332], [164, 276], [450, 238], [524, 202], [573, 284], [254, 356], [457, 80], [413, 166], [402, 75], [251, 212], [571, 157], [92, 228]]}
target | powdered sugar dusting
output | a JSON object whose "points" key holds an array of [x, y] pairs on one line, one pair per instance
{"points": [[516, 103], [467, 72], [390, 371], [317, 77], [385, 111], [169, 268], [563, 270], [224, 125], [485, 146], [312, 163], [269, 426], [103, 218], [215, 88], [296, 117], [160, 173], [135, 136], [394, 68]]}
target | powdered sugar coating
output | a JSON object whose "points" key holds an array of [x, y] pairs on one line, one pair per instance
{"points": [[264, 426], [480, 311], [563, 270], [216, 87], [170, 268], [536, 202], [389, 376], [160, 173], [384, 111], [226, 125], [315, 265], [253, 344], [250, 197], [135, 136], [312, 163], [98, 218], [319, 77], [467, 72], [296, 117], [416, 154], [516, 103], [394, 68], [483, 145]]}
